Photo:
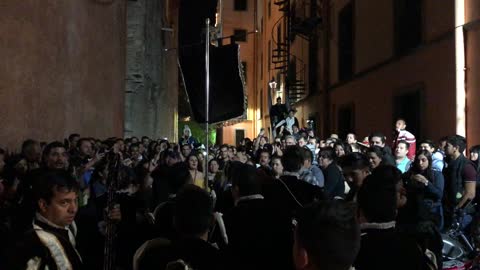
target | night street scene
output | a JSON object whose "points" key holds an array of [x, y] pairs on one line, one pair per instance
{"points": [[240, 134]]}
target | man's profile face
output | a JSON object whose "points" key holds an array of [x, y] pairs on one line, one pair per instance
{"points": [[62, 208], [355, 176], [57, 158], [377, 141], [426, 146], [86, 149], [449, 149]]}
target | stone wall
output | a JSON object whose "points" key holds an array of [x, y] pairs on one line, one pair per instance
{"points": [[62, 69], [151, 93]]}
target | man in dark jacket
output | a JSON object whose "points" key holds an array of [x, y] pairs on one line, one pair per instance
{"points": [[51, 242], [193, 215], [289, 193], [259, 236], [382, 247], [327, 236], [460, 178]]}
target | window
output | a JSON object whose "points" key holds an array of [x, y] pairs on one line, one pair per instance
{"points": [[269, 8], [240, 35], [407, 25], [269, 54], [345, 42], [408, 106], [244, 67], [261, 66], [346, 120], [239, 136], [240, 5]]}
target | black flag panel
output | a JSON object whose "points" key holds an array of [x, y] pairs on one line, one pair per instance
{"points": [[226, 84]]}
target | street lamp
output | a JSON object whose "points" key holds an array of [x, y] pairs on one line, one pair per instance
{"points": [[273, 84]]}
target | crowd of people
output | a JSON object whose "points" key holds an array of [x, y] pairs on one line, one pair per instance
{"points": [[291, 202]]}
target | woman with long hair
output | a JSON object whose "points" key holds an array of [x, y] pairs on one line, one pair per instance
{"points": [[376, 157], [196, 171], [475, 158], [425, 186]]}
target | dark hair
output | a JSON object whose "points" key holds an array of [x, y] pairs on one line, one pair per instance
{"points": [[27, 144], [193, 211], [2, 151], [377, 196], [264, 151], [376, 134], [50, 181], [430, 143], [186, 144], [178, 177], [133, 145], [458, 141], [246, 180], [50, 146], [476, 149], [212, 160], [415, 168], [307, 154], [199, 166], [330, 233], [377, 150], [81, 140], [355, 161], [407, 145], [327, 152], [73, 135], [292, 158], [401, 119], [346, 147], [171, 154]]}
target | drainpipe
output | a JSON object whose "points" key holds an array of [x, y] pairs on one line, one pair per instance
{"points": [[460, 90], [326, 69]]}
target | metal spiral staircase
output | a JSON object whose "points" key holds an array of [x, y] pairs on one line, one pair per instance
{"points": [[284, 32]]}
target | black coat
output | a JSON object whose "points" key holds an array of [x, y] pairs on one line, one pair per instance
{"points": [[334, 182], [290, 193], [30, 246], [387, 249], [199, 254], [260, 237]]}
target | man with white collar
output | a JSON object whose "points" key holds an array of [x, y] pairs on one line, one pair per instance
{"points": [[381, 246], [50, 244]]}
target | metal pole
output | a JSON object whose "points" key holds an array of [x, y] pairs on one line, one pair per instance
{"points": [[207, 93]]}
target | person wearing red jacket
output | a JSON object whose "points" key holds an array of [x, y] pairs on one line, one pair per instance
{"points": [[401, 134]]}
